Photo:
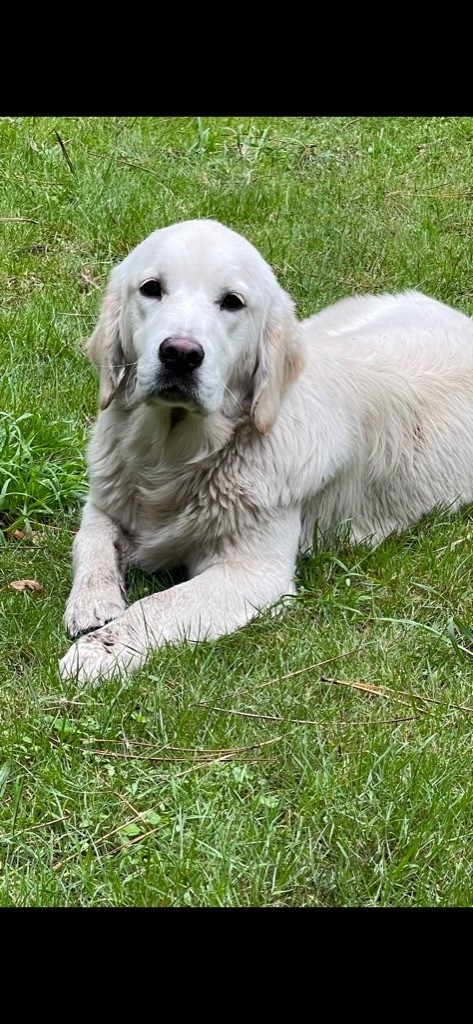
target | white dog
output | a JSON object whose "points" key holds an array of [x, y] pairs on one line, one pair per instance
{"points": [[228, 428]]}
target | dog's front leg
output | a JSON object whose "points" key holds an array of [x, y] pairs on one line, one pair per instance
{"points": [[220, 599], [98, 589]]}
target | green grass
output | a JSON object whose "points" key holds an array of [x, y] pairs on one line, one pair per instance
{"points": [[251, 771]]}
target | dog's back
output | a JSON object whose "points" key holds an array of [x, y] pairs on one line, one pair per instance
{"points": [[394, 379], [387, 313]]}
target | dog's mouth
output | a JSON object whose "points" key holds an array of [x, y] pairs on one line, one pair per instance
{"points": [[166, 389], [174, 397], [180, 392]]}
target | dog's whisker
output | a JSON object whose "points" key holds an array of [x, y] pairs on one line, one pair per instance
{"points": [[235, 399], [114, 366]]}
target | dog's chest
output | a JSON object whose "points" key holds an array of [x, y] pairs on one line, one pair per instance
{"points": [[182, 510], [174, 505]]}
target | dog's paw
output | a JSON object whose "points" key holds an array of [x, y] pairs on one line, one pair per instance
{"points": [[87, 610], [99, 655]]}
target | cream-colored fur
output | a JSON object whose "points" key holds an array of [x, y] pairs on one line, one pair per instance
{"points": [[364, 412]]}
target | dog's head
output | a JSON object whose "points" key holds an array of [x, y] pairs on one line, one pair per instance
{"points": [[194, 314]]}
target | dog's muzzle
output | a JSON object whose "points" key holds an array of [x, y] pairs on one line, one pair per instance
{"points": [[176, 382]]}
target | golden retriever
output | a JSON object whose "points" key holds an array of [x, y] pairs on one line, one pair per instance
{"points": [[228, 428]]}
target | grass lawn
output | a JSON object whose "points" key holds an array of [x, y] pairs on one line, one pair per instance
{"points": [[318, 759]]}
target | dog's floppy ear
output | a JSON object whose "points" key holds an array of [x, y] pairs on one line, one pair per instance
{"points": [[104, 346], [280, 362]]}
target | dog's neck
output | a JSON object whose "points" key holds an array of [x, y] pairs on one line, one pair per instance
{"points": [[177, 415], [185, 436], [195, 438]]}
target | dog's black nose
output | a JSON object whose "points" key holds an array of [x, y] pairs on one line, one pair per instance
{"points": [[181, 355]]}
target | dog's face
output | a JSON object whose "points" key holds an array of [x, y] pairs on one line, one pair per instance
{"points": [[192, 314]]}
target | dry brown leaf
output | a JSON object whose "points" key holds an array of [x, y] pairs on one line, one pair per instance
{"points": [[87, 281], [25, 585]]}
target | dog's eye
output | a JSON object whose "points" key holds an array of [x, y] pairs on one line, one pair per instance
{"points": [[152, 289], [231, 301]]}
